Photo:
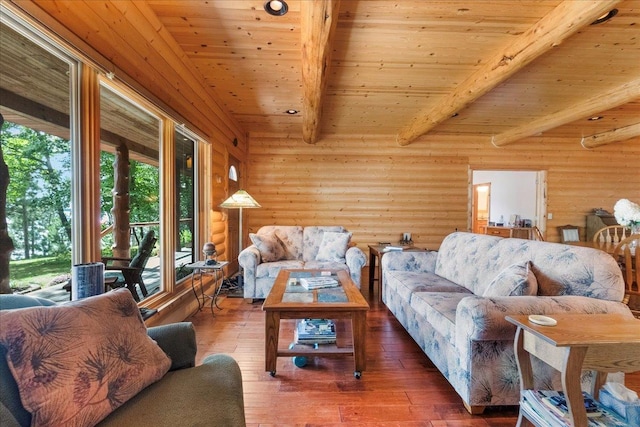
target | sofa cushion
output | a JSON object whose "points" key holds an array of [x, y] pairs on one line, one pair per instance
{"points": [[333, 246], [471, 251], [439, 309], [325, 265], [406, 283], [269, 245], [76, 363], [291, 237], [312, 237], [515, 280], [208, 394], [271, 269], [9, 392]]}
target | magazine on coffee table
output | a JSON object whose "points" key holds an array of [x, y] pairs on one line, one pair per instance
{"points": [[318, 282], [315, 331]]}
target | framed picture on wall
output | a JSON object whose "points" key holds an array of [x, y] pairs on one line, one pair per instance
{"points": [[569, 233]]}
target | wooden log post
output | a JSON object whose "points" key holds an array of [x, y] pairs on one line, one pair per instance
{"points": [[121, 209], [6, 244]]}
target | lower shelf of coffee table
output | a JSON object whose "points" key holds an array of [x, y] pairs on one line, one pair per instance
{"points": [[321, 350]]}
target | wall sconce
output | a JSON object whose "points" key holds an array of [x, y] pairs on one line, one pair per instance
{"points": [[188, 161]]}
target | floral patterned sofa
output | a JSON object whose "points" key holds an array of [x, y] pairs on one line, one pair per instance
{"points": [[453, 303], [313, 247]]}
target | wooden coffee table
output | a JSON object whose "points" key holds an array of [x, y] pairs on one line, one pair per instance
{"points": [[288, 301]]}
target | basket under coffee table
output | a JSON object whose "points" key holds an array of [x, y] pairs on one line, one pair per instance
{"points": [[292, 301]]}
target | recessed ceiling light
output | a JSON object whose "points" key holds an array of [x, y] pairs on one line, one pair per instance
{"points": [[605, 17], [594, 118], [291, 111], [276, 7]]}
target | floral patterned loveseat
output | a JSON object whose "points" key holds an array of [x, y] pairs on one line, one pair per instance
{"points": [[313, 247], [453, 303]]}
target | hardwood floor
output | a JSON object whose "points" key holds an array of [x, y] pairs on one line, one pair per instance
{"points": [[400, 386]]}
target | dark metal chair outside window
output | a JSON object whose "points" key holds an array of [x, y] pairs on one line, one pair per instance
{"points": [[117, 276]]}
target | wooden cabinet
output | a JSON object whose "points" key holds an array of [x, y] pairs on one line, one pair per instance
{"points": [[499, 231], [596, 222], [517, 232]]}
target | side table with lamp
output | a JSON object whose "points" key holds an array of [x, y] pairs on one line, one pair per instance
{"points": [[210, 265]]}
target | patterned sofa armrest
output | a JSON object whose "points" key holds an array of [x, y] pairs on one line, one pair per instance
{"points": [[249, 258], [420, 262], [481, 318], [355, 259]]}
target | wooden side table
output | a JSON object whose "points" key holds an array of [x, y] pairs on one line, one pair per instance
{"points": [[375, 253], [601, 342]]}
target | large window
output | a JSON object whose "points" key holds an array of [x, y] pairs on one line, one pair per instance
{"points": [[36, 86], [185, 162], [130, 190], [146, 173]]}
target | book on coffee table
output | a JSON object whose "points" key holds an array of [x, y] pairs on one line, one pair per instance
{"points": [[320, 282], [315, 331]]}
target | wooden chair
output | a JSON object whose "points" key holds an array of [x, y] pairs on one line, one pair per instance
{"points": [[569, 233], [611, 234], [627, 252], [130, 275], [536, 234]]}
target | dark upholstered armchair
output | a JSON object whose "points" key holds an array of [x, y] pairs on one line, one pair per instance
{"points": [[187, 395]]}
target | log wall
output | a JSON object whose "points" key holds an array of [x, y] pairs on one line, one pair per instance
{"points": [[218, 231], [378, 190]]}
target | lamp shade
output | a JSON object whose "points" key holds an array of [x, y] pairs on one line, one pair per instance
{"points": [[240, 199]]}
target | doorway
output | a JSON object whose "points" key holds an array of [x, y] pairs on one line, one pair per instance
{"points": [[481, 207], [510, 192]]}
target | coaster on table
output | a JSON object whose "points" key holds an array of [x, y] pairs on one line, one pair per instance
{"points": [[542, 320]]}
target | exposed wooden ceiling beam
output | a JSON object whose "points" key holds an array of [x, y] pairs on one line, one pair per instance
{"points": [[561, 23], [612, 98], [318, 24], [615, 135]]}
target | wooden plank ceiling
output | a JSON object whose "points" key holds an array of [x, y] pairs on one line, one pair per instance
{"points": [[501, 70]]}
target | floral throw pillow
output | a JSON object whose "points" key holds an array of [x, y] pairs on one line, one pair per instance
{"points": [[333, 246], [270, 246], [515, 280], [75, 363]]}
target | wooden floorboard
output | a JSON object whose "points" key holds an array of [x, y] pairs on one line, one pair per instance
{"points": [[400, 386]]}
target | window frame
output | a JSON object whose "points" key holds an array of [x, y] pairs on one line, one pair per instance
{"points": [[86, 77]]}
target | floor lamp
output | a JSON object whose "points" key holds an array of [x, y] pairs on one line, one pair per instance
{"points": [[240, 200]]}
